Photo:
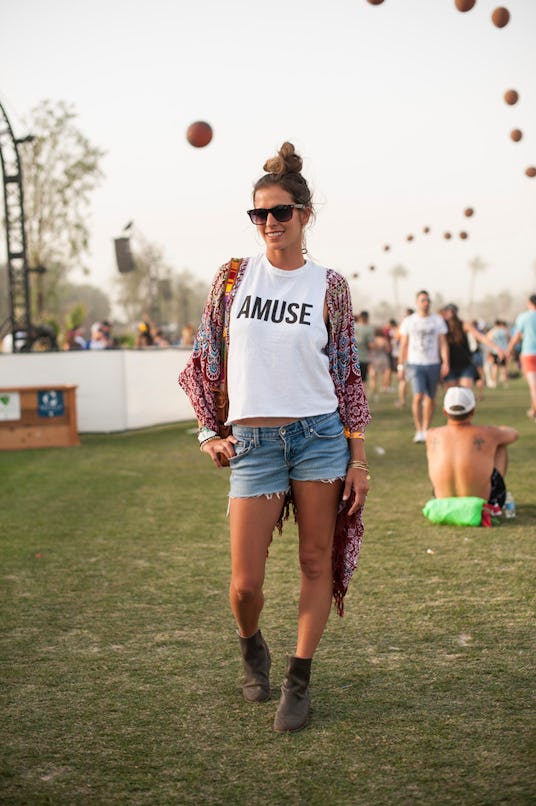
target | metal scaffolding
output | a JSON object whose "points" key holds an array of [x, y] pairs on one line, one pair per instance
{"points": [[19, 320]]}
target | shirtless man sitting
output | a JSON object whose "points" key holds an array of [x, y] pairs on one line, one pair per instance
{"points": [[466, 459]]}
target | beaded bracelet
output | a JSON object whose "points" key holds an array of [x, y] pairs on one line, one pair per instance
{"points": [[208, 439]]}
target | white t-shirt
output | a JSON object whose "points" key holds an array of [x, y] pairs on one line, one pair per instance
{"points": [[423, 337], [277, 363]]}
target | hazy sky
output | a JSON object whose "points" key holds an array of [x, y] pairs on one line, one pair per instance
{"points": [[397, 109]]}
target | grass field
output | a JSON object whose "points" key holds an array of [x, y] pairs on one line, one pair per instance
{"points": [[120, 670]]}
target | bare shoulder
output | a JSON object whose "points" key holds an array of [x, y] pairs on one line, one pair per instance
{"points": [[501, 434]]}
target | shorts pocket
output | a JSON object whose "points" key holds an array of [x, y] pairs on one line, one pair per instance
{"points": [[330, 428], [242, 448]]}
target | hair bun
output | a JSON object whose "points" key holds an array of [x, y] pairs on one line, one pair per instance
{"points": [[286, 161]]}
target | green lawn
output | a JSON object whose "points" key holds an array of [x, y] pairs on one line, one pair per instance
{"points": [[120, 670]]}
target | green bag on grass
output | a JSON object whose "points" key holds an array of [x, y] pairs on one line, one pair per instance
{"points": [[465, 511]]}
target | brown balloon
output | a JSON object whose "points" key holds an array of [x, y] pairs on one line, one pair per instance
{"points": [[500, 17], [511, 97], [463, 235], [531, 171], [468, 212], [409, 237], [386, 247], [375, 2], [199, 134], [355, 275], [464, 5], [371, 268], [516, 135], [447, 236], [426, 230]]}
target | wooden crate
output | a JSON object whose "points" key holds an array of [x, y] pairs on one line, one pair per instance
{"points": [[38, 417]]}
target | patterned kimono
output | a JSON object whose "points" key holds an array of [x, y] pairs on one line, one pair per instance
{"points": [[204, 369]]}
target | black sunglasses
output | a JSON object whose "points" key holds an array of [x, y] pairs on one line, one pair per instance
{"points": [[281, 213]]}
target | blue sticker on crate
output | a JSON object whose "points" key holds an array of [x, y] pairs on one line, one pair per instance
{"points": [[50, 403]]}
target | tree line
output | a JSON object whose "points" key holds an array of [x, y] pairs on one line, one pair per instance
{"points": [[60, 170]]}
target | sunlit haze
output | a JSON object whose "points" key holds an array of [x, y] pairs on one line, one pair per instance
{"points": [[397, 109]]}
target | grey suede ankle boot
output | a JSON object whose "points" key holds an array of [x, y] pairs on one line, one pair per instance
{"points": [[256, 663], [293, 711]]}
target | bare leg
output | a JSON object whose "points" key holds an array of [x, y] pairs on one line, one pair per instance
{"points": [[401, 402], [417, 411], [467, 383], [531, 380], [372, 380], [316, 506], [252, 523], [428, 406], [500, 460]]}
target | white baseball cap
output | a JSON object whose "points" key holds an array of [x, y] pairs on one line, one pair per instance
{"points": [[459, 400]]}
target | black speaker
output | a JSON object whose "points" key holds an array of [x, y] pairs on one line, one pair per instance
{"points": [[123, 255]]}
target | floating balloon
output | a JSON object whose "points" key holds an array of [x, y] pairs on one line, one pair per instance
{"points": [[464, 5], [199, 134], [375, 2], [511, 97], [516, 135], [531, 171], [371, 268], [463, 235], [409, 237], [386, 247], [468, 212], [426, 230], [355, 276], [500, 17], [447, 236]]}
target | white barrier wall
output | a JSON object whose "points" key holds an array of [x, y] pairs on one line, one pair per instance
{"points": [[117, 389]]}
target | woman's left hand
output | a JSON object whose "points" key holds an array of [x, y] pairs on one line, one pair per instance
{"points": [[356, 482]]}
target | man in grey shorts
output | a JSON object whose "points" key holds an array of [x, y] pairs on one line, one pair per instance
{"points": [[423, 344]]}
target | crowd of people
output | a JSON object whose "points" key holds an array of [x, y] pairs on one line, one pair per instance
{"points": [[99, 336], [427, 351], [147, 335]]}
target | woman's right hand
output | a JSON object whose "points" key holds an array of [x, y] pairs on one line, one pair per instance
{"points": [[213, 447]]}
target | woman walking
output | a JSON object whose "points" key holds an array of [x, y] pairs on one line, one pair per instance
{"points": [[462, 370], [298, 413]]}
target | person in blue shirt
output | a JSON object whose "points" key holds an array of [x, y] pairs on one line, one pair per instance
{"points": [[525, 332]]}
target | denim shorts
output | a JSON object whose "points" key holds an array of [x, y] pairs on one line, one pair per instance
{"points": [[312, 449], [424, 378], [465, 372]]}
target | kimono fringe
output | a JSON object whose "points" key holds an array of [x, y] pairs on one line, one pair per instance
{"points": [[346, 545]]}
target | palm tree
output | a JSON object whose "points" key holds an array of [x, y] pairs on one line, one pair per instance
{"points": [[476, 265], [397, 273]]}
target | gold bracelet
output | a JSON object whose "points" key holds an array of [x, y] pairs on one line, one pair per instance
{"points": [[353, 434], [356, 464]]}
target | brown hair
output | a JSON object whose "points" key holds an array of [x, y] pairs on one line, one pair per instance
{"points": [[460, 417], [456, 333], [284, 170]]}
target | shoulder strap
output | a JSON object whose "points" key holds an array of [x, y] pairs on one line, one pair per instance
{"points": [[234, 265]]}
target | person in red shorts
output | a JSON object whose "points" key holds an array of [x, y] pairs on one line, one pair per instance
{"points": [[525, 332]]}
